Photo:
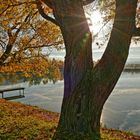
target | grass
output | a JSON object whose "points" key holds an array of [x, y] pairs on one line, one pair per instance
{"points": [[23, 122]]}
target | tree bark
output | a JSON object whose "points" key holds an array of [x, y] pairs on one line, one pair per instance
{"points": [[7, 52], [86, 88], [77, 39]]}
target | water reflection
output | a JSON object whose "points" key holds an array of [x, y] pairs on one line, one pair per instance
{"points": [[35, 79], [32, 79], [122, 109]]}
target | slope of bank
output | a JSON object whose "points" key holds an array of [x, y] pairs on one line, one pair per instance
{"points": [[23, 122]]}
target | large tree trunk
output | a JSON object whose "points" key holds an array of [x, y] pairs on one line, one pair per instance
{"points": [[86, 88]]}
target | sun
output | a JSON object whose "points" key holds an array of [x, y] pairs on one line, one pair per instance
{"points": [[95, 21]]}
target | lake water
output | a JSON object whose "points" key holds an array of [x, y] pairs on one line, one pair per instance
{"points": [[133, 58], [121, 111]]}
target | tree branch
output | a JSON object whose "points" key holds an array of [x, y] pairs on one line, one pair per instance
{"points": [[42, 46], [114, 58], [48, 3], [42, 13], [86, 2], [2, 44], [4, 10], [22, 3]]}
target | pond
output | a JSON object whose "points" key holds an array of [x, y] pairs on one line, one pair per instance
{"points": [[121, 111]]}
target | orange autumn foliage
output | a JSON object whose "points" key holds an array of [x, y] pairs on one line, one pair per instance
{"points": [[38, 67], [26, 31]]}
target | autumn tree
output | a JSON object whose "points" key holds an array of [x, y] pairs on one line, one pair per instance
{"points": [[22, 32], [24, 47], [86, 88]]}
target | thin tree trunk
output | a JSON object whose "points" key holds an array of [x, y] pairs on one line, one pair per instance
{"points": [[9, 46], [86, 88], [6, 54]]}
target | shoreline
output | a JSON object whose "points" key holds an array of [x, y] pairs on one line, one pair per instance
{"points": [[132, 67], [43, 123]]}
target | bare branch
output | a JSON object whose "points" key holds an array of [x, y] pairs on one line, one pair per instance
{"points": [[42, 13], [48, 3], [4, 10]]}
